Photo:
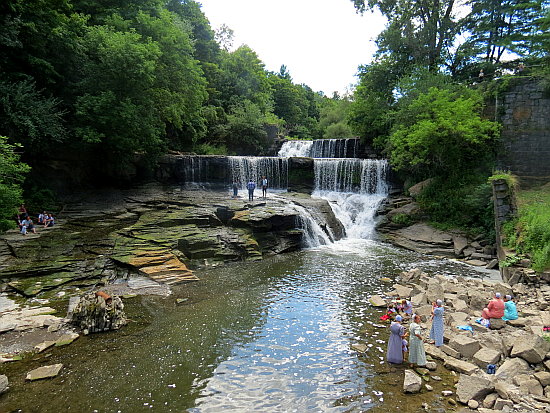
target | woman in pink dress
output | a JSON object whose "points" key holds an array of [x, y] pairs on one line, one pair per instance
{"points": [[495, 308]]}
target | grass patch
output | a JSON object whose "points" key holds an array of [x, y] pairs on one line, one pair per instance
{"points": [[529, 233]]}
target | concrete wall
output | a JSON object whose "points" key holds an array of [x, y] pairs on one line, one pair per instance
{"points": [[525, 115]]}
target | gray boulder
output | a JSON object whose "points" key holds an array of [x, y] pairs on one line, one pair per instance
{"points": [[512, 367], [460, 366], [465, 345], [377, 301], [472, 388], [486, 356], [531, 348], [412, 382]]}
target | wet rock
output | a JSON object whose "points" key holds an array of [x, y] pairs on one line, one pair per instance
{"points": [[4, 383], [44, 346], [412, 382], [377, 301], [44, 372], [359, 347], [472, 388], [95, 314], [66, 339]]}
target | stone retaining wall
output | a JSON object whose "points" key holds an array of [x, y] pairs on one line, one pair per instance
{"points": [[524, 112]]}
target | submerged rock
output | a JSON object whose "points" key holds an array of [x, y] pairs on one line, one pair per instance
{"points": [[95, 313]]}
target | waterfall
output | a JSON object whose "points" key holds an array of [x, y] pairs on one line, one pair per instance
{"points": [[354, 188], [244, 168], [314, 235], [321, 148], [295, 149]]}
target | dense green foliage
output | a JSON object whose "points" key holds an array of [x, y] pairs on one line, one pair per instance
{"points": [[124, 81], [12, 174], [529, 233], [420, 101]]}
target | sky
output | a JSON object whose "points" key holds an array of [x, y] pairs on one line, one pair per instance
{"points": [[322, 42]]}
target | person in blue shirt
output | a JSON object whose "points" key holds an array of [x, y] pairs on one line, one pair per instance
{"points": [[251, 186], [510, 310]]}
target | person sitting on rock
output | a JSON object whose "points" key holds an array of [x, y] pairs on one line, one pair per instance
{"points": [[495, 308], [510, 310], [407, 307], [49, 221], [27, 225]]}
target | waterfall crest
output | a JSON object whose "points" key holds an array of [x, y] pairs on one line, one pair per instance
{"points": [[244, 168], [321, 148]]}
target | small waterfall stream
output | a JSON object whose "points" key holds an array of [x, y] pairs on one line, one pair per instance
{"points": [[244, 168], [321, 148]]}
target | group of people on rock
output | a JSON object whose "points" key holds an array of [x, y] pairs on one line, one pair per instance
{"points": [[413, 350], [251, 186], [26, 224], [398, 346], [497, 308]]}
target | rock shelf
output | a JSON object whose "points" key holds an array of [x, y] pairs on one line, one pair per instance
{"points": [[517, 348]]}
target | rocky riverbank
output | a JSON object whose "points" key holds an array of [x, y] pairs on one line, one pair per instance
{"points": [[134, 242], [518, 348]]}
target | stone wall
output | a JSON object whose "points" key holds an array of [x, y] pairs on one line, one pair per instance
{"points": [[525, 115]]}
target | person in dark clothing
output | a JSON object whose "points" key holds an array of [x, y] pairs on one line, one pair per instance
{"points": [[264, 186], [251, 186], [235, 189]]}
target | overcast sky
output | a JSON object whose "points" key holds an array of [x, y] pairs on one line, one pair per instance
{"points": [[322, 42]]}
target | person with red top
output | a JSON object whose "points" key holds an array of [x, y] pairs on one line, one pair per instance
{"points": [[495, 308]]}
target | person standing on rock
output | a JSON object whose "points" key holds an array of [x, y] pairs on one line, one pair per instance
{"points": [[264, 186], [510, 310], [235, 189], [436, 333], [495, 308], [251, 186], [417, 353], [395, 343]]}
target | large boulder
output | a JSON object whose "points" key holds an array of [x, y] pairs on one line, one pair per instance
{"points": [[377, 301], [97, 312], [435, 291], [460, 366], [419, 300], [486, 356], [465, 345], [512, 367], [531, 348], [412, 382], [401, 291], [472, 388]]}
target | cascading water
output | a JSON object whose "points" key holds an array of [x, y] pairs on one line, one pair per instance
{"points": [[320, 148], [244, 168], [296, 149], [355, 188]]}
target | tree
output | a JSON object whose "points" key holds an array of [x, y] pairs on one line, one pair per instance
{"points": [[12, 175], [418, 31], [441, 133], [495, 26]]}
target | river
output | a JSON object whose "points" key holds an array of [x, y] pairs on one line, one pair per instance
{"points": [[270, 336]]}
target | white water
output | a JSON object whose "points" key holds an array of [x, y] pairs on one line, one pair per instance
{"points": [[320, 148], [244, 168], [354, 188], [295, 149]]}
